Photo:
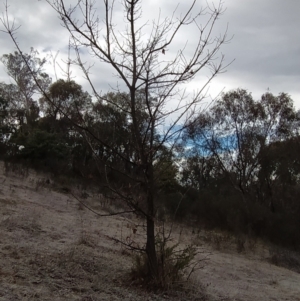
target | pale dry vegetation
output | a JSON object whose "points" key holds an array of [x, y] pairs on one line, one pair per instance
{"points": [[54, 249]]}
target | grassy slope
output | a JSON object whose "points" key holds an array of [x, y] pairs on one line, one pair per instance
{"points": [[53, 249]]}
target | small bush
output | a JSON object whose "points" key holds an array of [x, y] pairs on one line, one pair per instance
{"points": [[285, 258], [175, 266]]}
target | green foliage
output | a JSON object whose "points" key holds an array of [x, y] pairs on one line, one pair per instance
{"points": [[43, 150], [4, 126], [65, 99], [26, 70], [22, 72]]}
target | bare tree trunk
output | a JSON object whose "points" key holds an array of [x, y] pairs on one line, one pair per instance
{"points": [[151, 249], [151, 243]]}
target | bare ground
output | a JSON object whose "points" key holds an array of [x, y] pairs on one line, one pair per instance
{"points": [[52, 248]]}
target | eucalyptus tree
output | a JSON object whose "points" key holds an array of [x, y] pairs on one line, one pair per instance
{"points": [[279, 175], [4, 124], [237, 130], [27, 72], [66, 96], [8, 112]]}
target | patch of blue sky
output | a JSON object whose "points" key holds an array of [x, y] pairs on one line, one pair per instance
{"points": [[203, 145]]}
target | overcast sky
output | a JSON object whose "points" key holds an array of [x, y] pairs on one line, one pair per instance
{"points": [[265, 45]]}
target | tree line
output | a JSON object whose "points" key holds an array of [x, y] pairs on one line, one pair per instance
{"points": [[243, 161], [236, 166]]}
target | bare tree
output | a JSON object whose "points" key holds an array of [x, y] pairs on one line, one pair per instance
{"points": [[155, 78]]}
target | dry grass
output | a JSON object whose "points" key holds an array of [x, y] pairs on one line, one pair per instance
{"points": [[51, 250], [26, 223]]}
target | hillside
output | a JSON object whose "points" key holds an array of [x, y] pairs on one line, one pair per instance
{"points": [[52, 248]]}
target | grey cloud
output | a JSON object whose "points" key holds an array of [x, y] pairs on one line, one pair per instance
{"points": [[266, 43]]}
